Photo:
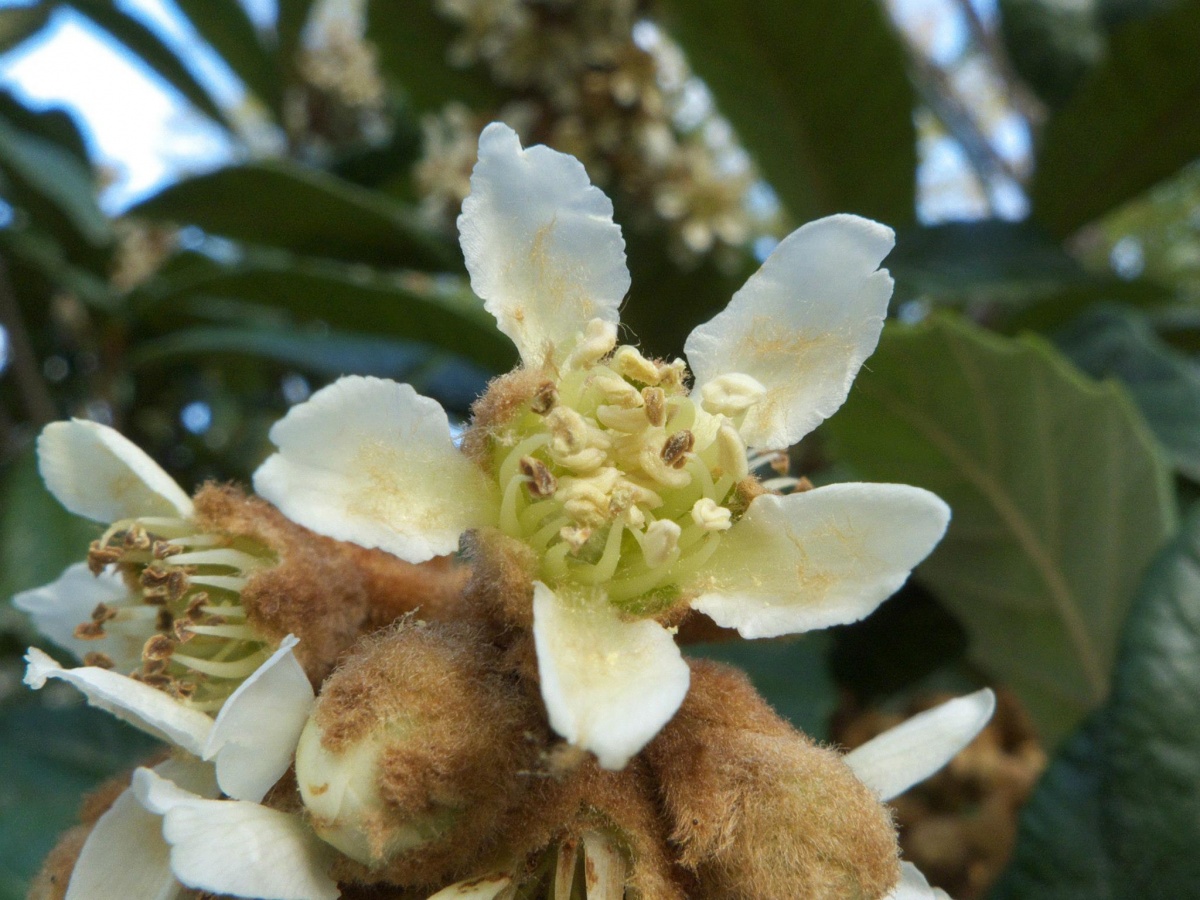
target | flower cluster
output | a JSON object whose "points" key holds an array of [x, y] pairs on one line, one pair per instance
{"points": [[595, 81], [353, 710]]}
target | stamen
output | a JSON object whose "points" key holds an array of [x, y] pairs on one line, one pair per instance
{"points": [[542, 482], [660, 541], [544, 399], [655, 402], [732, 394], [676, 448], [711, 517], [632, 365], [242, 668], [98, 659]]}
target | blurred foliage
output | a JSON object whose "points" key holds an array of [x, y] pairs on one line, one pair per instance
{"points": [[193, 320]]}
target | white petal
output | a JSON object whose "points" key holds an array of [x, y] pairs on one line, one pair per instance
{"points": [[125, 856], [238, 848], [96, 472], [486, 888], [59, 606], [823, 557], [609, 685], [255, 734], [140, 705], [913, 886], [912, 751], [540, 244], [372, 461], [801, 326]]}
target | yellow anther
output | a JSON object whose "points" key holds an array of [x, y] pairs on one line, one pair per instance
{"points": [[632, 365], [596, 342], [616, 390], [660, 541], [731, 394], [709, 516], [731, 453], [621, 419]]}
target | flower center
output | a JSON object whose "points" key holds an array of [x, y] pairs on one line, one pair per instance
{"points": [[616, 477], [185, 598]]}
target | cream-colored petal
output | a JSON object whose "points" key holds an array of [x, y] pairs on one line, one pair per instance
{"points": [[238, 848], [96, 472], [140, 705], [372, 461], [254, 737], [604, 867], [488, 887], [540, 244], [57, 607], [609, 685], [823, 557], [912, 751], [800, 327], [914, 886], [125, 855]]}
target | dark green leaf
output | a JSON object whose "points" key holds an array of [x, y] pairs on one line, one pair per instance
{"points": [[38, 538], [151, 50], [56, 175], [1059, 494], [56, 125], [992, 261], [818, 93], [324, 354], [1151, 795], [414, 53], [346, 298], [790, 673], [1060, 853], [281, 204], [18, 24], [1052, 44], [35, 249], [1134, 121], [52, 756], [1116, 342], [225, 25]]}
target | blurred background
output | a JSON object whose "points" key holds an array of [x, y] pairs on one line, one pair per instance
{"points": [[211, 208]]}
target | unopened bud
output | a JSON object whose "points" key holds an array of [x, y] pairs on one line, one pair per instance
{"points": [[411, 744]]}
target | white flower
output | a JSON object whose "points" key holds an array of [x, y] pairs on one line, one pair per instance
{"points": [[624, 483], [157, 599], [168, 829], [894, 761]]}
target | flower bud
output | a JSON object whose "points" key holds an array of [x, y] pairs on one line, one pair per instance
{"points": [[759, 810], [415, 742]]}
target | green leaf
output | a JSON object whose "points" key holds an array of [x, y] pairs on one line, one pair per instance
{"points": [[52, 756], [18, 24], [1117, 814], [414, 49], [1053, 45], [54, 124], [1151, 794], [346, 298], [151, 50], [818, 93], [37, 250], [1060, 854], [790, 673], [989, 261], [1134, 121], [1059, 494], [38, 538], [54, 174], [1116, 342], [225, 25], [317, 352], [281, 204]]}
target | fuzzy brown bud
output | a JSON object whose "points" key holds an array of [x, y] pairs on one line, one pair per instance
{"points": [[415, 742], [760, 811]]}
